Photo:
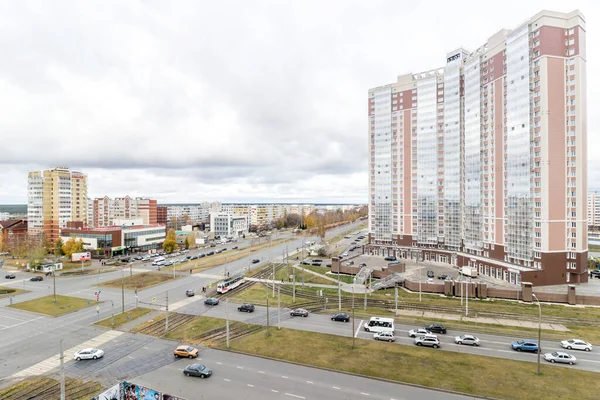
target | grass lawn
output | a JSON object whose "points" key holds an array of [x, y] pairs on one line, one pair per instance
{"points": [[45, 305], [487, 376], [140, 281], [8, 291], [48, 388], [186, 333], [121, 319], [70, 265]]}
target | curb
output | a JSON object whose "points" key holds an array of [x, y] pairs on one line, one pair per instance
{"points": [[355, 374]]}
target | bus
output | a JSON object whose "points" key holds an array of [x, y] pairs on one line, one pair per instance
{"points": [[380, 324], [230, 283]]}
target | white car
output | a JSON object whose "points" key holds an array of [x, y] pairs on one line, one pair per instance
{"points": [[467, 339], [419, 332], [560, 357], [345, 254], [385, 336], [576, 344], [88, 354]]}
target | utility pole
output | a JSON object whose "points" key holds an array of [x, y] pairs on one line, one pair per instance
{"points": [[339, 292], [54, 281], [267, 287], [366, 295], [130, 269], [294, 288], [353, 338], [420, 276], [227, 320], [467, 294], [278, 307], [167, 316], [396, 298], [62, 371], [273, 280], [539, 333], [122, 292]]}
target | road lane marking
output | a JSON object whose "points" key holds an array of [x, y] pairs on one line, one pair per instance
{"points": [[226, 380], [309, 382], [295, 395], [358, 329], [366, 394], [250, 385], [261, 372], [21, 323], [274, 391], [284, 377], [335, 387], [219, 363]]}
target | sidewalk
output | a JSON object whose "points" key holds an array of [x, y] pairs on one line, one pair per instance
{"points": [[481, 320]]}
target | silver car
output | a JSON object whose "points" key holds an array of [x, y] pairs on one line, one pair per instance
{"points": [[467, 339], [428, 340], [88, 354], [560, 357], [418, 332], [576, 344]]}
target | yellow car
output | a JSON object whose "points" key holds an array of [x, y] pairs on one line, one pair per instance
{"points": [[186, 351]]}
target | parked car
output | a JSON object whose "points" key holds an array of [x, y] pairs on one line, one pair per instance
{"points": [[299, 312], [390, 258], [234, 248], [386, 336], [200, 370], [317, 260], [10, 276], [138, 258], [467, 339], [345, 254], [194, 257], [185, 351], [525, 345], [576, 344], [36, 278], [211, 301], [341, 317], [316, 264], [428, 340], [436, 328], [303, 262], [169, 263], [246, 308], [560, 357], [255, 261], [418, 332], [443, 276], [88, 354], [362, 265], [190, 293]]}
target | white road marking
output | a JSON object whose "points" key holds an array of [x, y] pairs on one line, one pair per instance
{"points": [[366, 394], [309, 382], [261, 372], [226, 380], [284, 377], [358, 329], [21, 323], [295, 395], [250, 385], [54, 361], [274, 391], [219, 363], [184, 302], [335, 387], [240, 367]]}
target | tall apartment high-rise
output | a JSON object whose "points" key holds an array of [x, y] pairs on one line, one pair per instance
{"points": [[483, 162], [593, 212], [54, 197], [105, 210]]}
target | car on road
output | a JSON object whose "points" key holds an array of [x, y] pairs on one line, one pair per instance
{"points": [[576, 344], [428, 340], [234, 248], [197, 370], [255, 261], [211, 301], [36, 278], [316, 264], [444, 276], [525, 345], [10, 276], [386, 336], [303, 262], [343, 317], [169, 263], [194, 257], [467, 339], [436, 328], [246, 308], [418, 332], [390, 258], [430, 273], [185, 351], [190, 293], [595, 273], [560, 357], [299, 312], [138, 258], [345, 254], [88, 354]]}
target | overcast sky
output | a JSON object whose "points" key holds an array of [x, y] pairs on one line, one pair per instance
{"points": [[191, 101]]}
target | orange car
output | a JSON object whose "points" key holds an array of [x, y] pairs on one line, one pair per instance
{"points": [[186, 351]]}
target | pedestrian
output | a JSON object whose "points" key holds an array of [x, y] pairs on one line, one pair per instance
{"points": [[190, 271]]}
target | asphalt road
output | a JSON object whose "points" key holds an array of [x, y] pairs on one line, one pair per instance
{"points": [[237, 376]]}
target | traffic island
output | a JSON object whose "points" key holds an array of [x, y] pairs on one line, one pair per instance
{"points": [[8, 291], [46, 305], [140, 281], [123, 318]]}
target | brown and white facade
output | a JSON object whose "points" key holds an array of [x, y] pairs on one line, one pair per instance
{"points": [[483, 162], [106, 210]]}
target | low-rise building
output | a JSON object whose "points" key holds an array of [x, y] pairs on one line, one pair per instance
{"points": [[228, 225]]}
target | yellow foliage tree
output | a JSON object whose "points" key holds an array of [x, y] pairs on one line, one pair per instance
{"points": [[170, 243], [72, 246]]}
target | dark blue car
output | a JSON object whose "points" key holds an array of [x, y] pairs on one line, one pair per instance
{"points": [[525, 345]]}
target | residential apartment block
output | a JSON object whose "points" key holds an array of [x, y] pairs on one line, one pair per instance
{"points": [[55, 197], [482, 162], [106, 210]]}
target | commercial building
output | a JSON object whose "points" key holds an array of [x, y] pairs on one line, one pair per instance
{"points": [[111, 240], [223, 225], [55, 197], [482, 162], [106, 210]]}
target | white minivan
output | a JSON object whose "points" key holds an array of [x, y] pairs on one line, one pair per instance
{"points": [[158, 260], [380, 324]]}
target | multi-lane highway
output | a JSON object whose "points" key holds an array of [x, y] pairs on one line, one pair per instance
{"points": [[237, 376]]}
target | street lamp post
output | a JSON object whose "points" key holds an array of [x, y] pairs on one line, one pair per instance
{"points": [[539, 333], [122, 292]]}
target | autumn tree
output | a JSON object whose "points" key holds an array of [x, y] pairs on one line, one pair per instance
{"points": [[186, 244], [36, 250], [170, 243], [321, 227], [72, 246], [3, 245], [58, 247], [292, 220]]}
